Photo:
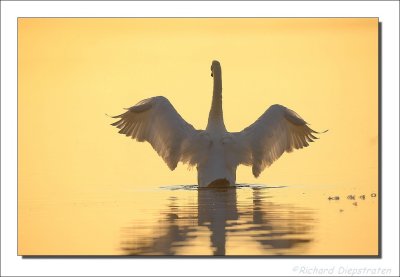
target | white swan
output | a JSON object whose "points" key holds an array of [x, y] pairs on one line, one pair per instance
{"points": [[215, 152]]}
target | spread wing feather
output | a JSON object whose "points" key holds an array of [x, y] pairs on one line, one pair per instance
{"points": [[156, 121], [276, 131]]}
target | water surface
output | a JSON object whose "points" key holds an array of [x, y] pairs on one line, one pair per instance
{"points": [[185, 220]]}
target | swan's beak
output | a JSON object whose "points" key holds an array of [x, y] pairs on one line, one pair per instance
{"points": [[212, 74]]}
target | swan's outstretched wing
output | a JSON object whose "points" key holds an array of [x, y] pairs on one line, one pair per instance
{"points": [[155, 120], [278, 130]]}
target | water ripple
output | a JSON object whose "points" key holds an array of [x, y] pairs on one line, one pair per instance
{"points": [[237, 186]]}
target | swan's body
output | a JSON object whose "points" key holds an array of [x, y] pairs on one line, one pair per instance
{"points": [[215, 152]]}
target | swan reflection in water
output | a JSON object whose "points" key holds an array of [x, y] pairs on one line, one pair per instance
{"points": [[276, 229]]}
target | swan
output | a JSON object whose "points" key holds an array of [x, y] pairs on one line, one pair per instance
{"points": [[215, 152]]}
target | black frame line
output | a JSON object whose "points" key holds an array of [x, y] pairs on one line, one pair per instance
{"points": [[194, 17], [209, 0]]}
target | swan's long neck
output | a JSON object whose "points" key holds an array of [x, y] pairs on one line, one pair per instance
{"points": [[216, 117]]}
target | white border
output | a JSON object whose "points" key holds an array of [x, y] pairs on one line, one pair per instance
{"points": [[12, 265]]}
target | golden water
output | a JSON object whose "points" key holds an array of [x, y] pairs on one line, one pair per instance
{"points": [[248, 220]]}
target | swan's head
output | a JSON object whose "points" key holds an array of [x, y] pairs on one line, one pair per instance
{"points": [[215, 67]]}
